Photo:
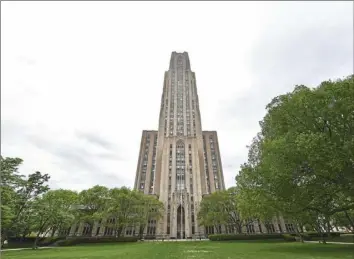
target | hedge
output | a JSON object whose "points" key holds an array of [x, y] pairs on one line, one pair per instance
{"points": [[50, 240], [316, 234], [307, 236], [226, 237], [23, 239], [149, 237], [94, 240], [289, 238]]}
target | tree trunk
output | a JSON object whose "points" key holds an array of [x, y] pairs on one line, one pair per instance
{"points": [[46, 233], [301, 228], [319, 231], [299, 234], [120, 229], [239, 228], [350, 220], [53, 232], [217, 229], [3, 238], [141, 231], [36, 240], [322, 234], [329, 227]]}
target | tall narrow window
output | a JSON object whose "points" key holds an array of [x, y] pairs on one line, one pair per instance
{"points": [[180, 170]]}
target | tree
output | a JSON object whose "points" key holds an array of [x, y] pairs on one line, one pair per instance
{"points": [[10, 182], [34, 186], [52, 210], [67, 202], [211, 211], [148, 207], [17, 194], [301, 164], [122, 206], [92, 204]]}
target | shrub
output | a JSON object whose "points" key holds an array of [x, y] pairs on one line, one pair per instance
{"points": [[313, 234], [23, 239], [20, 242], [227, 237], [334, 234], [94, 240], [306, 237], [149, 237], [289, 238]]}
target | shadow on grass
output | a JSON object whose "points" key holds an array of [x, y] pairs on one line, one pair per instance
{"points": [[327, 250]]}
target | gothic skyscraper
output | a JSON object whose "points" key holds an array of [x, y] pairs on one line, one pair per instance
{"points": [[179, 162]]}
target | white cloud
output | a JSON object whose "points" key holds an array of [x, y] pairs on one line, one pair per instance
{"points": [[76, 71]]}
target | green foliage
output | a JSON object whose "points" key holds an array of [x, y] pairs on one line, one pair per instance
{"points": [[129, 207], [301, 163], [212, 211], [94, 240], [28, 206], [147, 207], [221, 208], [227, 237], [17, 197], [54, 209], [93, 203], [10, 182], [344, 218]]}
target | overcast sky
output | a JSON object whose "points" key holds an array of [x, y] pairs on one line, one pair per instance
{"points": [[81, 80]]}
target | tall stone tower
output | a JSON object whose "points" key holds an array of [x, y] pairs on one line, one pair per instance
{"points": [[179, 163]]}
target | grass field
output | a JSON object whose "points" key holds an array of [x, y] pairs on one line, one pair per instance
{"points": [[190, 250]]}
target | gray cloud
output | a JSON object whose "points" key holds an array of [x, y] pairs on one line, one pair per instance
{"points": [[255, 54], [81, 165], [281, 60], [305, 47], [94, 139], [76, 157]]}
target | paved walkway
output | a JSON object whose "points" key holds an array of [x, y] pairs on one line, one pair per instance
{"points": [[17, 249]]}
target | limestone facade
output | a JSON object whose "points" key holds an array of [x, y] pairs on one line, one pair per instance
{"points": [[179, 162]]}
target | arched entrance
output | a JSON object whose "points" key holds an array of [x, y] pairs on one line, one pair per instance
{"points": [[181, 234]]}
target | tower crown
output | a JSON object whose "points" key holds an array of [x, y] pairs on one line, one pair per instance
{"points": [[180, 59]]}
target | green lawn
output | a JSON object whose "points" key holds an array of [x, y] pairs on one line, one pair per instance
{"points": [[190, 250]]}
